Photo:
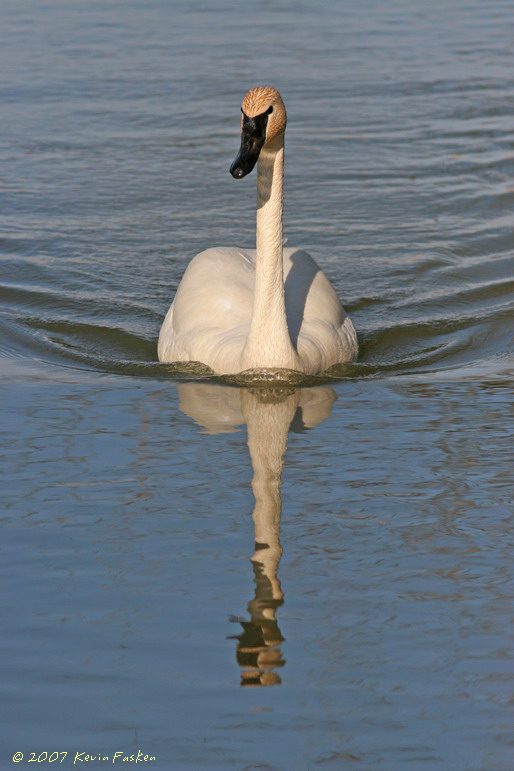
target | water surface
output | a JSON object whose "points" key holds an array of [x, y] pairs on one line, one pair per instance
{"points": [[174, 579]]}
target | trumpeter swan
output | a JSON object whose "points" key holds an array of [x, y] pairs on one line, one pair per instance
{"points": [[238, 310]]}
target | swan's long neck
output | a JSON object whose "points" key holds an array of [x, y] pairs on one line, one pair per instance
{"points": [[268, 344]]}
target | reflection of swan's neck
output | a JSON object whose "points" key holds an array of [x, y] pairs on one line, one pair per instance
{"points": [[268, 344], [268, 425], [268, 415]]}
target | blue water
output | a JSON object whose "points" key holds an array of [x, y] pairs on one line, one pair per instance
{"points": [[175, 580]]}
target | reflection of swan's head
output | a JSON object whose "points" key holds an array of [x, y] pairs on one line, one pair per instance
{"points": [[263, 118]]}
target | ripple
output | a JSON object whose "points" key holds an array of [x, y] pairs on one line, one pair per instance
{"points": [[431, 344], [399, 180]]}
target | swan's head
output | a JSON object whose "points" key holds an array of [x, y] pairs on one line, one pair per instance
{"points": [[263, 119]]}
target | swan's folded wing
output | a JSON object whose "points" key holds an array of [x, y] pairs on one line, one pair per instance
{"points": [[211, 312]]}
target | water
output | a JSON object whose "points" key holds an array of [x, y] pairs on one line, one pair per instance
{"points": [[375, 630]]}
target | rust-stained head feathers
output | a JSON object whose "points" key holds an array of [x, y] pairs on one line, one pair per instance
{"points": [[263, 119], [259, 100]]}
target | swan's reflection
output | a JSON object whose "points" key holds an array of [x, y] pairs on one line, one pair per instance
{"points": [[269, 415]]}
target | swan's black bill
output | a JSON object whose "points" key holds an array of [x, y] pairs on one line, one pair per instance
{"points": [[247, 156], [253, 136]]}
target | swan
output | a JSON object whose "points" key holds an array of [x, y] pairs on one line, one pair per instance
{"points": [[240, 311]]}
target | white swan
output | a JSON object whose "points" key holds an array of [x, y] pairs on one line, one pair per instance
{"points": [[266, 309]]}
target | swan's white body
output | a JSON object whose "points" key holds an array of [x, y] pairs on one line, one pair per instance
{"points": [[270, 308], [209, 320]]}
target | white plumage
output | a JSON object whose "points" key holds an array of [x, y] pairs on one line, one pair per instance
{"points": [[209, 319]]}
